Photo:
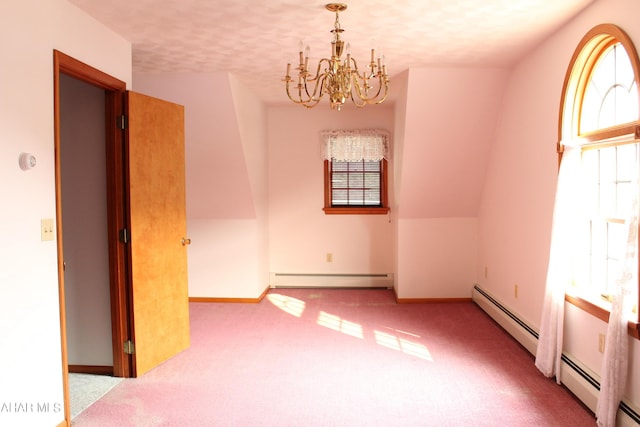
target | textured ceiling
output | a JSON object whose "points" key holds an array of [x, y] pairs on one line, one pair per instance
{"points": [[254, 39]]}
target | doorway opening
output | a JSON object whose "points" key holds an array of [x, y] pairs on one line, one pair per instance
{"points": [[83, 175], [145, 217], [68, 71]]}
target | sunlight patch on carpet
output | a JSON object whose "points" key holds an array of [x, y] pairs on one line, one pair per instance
{"points": [[290, 305], [336, 323], [400, 344]]}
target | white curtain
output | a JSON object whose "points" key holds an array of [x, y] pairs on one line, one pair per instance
{"points": [[616, 352], [564, 235], [565, 238], [354, 145]]}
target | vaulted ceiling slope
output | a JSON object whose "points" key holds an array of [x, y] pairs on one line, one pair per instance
{"points": [[219, 174], [254, 39], [447, 140]]}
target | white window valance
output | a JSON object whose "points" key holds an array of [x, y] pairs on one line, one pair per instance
{"points": [[355, 145]]}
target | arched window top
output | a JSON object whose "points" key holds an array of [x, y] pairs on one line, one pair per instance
{"points": [[600, 98], [610, 97]]}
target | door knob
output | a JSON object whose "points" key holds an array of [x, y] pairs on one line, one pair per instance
{"points": [[186, 241]]}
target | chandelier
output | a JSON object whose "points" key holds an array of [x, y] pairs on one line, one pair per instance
{"points": [[339, 78]]}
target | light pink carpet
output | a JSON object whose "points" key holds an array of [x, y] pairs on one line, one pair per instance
{"points": [[341, 358]]}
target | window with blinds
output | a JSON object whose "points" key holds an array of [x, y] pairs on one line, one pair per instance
{"points": [[356, 187], [356, 183], [355, 171]]}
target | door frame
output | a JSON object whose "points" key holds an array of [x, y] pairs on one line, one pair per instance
{"points": [[117, 216]]}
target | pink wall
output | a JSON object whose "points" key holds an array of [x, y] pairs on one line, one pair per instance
{"points": [[448, 121], [517, 203], [437, 257], [29, 300], [451, 115], [300, 234], [226, 168]]}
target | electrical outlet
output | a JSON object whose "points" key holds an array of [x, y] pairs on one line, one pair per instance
{"points": [[486, 272], [46, 229], [329, 257], [601, 341], [515, 291]]}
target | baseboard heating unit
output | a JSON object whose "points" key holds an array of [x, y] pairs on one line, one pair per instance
{"points": [[330, 280], [580, 380]]}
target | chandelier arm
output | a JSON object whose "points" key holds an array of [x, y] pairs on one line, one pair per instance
{"points": [[302, 83], [318, 80], [297, 101], [363, 99], [318, 73], [354, 67], [309, 103], [311, 100], [357, 76], [382, 83], [312, 103], [363, 75], [357, 101]]}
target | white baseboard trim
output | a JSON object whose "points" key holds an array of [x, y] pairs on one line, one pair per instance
{"points": [[581, 381], [330, 280]]}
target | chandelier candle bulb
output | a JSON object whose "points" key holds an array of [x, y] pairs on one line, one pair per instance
{"points": [[306, 58], [300, 53]]}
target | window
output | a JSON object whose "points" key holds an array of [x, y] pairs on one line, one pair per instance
{"points": [[356, 187], [600, 110], [608, 179], [355, 171]]}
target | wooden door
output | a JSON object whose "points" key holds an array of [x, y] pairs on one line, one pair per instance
{"points": [[156, 177]]}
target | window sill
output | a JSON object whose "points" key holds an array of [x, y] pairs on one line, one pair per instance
{"points": [[600, 313], [356, 211]]}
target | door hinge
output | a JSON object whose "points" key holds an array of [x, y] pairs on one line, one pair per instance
{"points": [[124, 236], [123, 122], [129, 348]]}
